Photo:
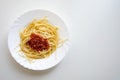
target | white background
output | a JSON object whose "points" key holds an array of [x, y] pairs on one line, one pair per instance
{"points": [[94, 27]]}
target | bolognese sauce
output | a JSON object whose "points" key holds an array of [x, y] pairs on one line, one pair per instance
{"points": [[38, 43]]}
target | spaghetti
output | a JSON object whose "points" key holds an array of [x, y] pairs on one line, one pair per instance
{"points": [[39, 39]]}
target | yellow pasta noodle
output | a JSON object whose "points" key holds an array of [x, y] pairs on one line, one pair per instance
{"points": [[45, 29]]}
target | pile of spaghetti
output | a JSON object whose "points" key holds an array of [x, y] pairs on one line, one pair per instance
{"points": [[39, 39]]}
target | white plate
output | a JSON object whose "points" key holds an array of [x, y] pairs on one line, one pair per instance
{"points": [[14, 40]]}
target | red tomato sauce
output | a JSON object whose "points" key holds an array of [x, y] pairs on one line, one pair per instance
{"points": [[38, 43]]}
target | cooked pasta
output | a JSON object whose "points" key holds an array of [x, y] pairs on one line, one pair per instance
{"points": [[39, 39]]}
